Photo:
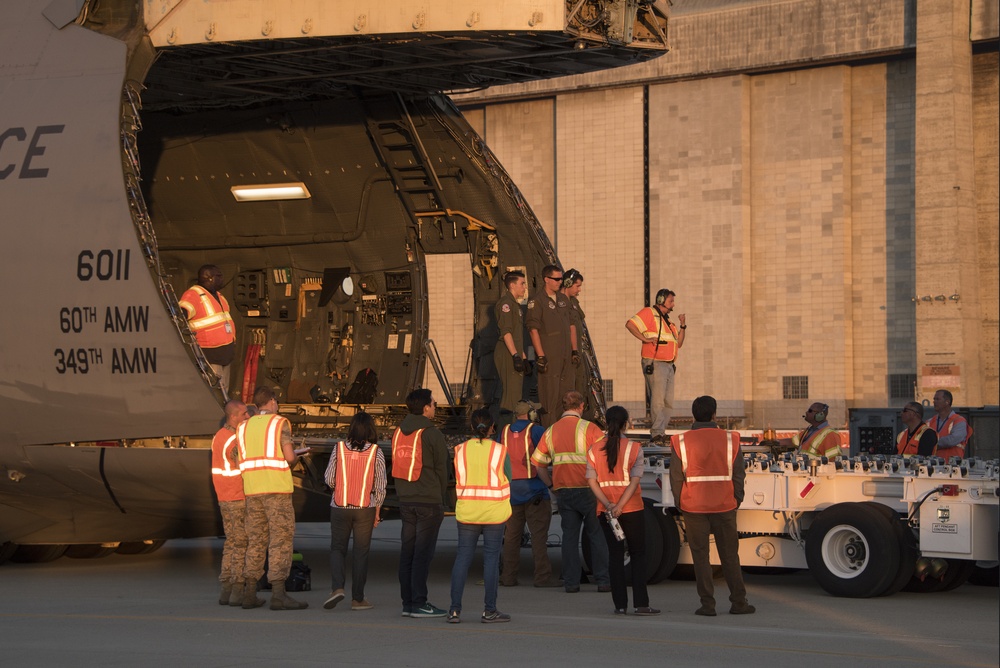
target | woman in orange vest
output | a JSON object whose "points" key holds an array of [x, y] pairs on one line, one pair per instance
{"points": [[356, 474], [482, 486], [614, 471]]}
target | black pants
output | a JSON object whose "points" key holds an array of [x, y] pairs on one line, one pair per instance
{"points": [[418, 539], [634, 527]]}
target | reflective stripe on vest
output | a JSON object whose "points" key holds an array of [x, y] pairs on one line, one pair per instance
{"points": [[481, 486], [407, 455], [209, 318], [711, 490], [614, 483], [225, 477], [518, 447], [262, 461], [355, 476], [815, 439], [904, 443], [667, 333]]}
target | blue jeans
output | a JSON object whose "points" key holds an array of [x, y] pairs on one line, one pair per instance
{"points": [[661, 395], [468, 536], [344, 522], [578, 508], [418, 540]]}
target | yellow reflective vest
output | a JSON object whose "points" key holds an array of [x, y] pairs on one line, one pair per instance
{"points": [[482, 487], [262, 462]]}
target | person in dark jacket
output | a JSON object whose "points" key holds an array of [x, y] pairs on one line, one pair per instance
{"points": [[420, 472]]}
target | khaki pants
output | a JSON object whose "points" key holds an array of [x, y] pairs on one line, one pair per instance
{"points": [[538, 515], [727, 542]]}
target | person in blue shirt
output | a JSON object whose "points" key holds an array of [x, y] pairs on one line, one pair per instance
{"points": [[529, 499]]}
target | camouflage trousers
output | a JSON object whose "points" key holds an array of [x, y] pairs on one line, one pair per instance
{"points": [[270, 531], [234, 550]]}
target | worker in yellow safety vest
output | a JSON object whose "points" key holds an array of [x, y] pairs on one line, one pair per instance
{"points": [[266, 457], [482, 488]]}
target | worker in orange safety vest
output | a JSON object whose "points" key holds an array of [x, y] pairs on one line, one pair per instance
{"points": [[228, 484], [953, 430], [917, 438], [208, 317]]}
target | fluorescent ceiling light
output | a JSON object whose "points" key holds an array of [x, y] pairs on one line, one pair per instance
{"points": [[270, 191]]}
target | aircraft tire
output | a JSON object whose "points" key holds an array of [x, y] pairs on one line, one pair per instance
{"points": [[140, 547], [88, 551], [853, 551], [37, 554]]}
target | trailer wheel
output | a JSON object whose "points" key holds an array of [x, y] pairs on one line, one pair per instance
{"points": [[140, 547], [852, 551], [958, 573], [37, 554], [908, 551], [671, 545], [985, 577]]}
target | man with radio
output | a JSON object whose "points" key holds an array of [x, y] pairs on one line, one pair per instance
{"points": [[661, 340], [819, 439]]}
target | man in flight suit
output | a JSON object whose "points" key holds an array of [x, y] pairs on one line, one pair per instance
{"points": [[509, 352], [572, 286], [553, 335]]}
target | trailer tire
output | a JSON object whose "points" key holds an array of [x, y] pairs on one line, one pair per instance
{"points": [[908, 552], [985, 577], [958, 573], [852, 551], [671, 545]]}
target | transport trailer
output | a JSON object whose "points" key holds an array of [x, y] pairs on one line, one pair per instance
{"points": [[864, 526]]}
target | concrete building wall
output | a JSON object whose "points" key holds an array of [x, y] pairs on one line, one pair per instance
{"points": [[699, 230], [783, 205], [986, 120], [599, 218]]}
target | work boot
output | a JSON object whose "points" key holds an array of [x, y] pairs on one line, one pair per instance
{"points": [[250, 598], [236, 599], [225, 593], [282, 601]]}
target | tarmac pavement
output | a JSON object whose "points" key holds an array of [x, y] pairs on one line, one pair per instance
{"points": [[161, 610]]}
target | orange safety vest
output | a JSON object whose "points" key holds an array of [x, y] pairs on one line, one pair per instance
{"points": [[649, 321], [407, 455], [822, 443], [208, 317], [262, 461], [614, 483], [519, 448], [226, 477], [708, 469], [355, 476], [481, 486], [565, 445], [909, 445], [949, 424]]}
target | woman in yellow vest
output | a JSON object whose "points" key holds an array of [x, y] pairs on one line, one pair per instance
{"points": [[614, 471], [356, 474], [482, 485]]}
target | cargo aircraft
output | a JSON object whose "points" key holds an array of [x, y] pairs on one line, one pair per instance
{"points": [[308, 150]]}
